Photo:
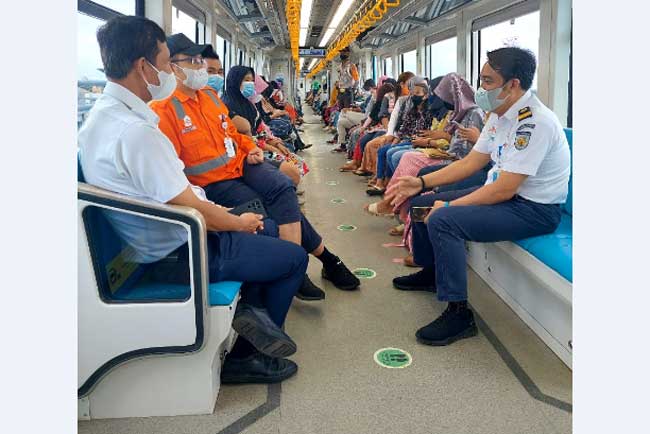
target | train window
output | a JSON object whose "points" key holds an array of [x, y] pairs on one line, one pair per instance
{"points": [[388, 66], [183, 23], [440, 57], [126, 7], [522, 31], [90, 75], [409, 62]]}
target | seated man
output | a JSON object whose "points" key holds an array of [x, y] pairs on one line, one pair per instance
{"points": [[216, 75], [521, 197], [354, 115], [230, 166], [121, 149]]}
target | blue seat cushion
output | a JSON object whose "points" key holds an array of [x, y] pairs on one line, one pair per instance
{"points": [[220, 293], [556, 249]]}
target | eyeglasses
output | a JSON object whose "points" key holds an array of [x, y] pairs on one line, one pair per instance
{"points": [[196, 60]]}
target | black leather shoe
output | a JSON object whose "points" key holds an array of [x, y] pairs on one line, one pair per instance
{"points": [[257, 368], [340, 276], [309, 292], [454, 324], [255, 325], [423, 280]]}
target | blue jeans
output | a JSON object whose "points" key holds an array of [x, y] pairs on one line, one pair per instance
{"points": [[440, 243], [383, 156], [393, 158], [276, 191], [368, 137]]}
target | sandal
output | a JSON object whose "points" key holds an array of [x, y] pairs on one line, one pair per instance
{"points": [[375, 191], [348, 168], [409, 262], [372, 209], [396, 231], [360, 172]]}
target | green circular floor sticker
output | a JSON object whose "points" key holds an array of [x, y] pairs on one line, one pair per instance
{"points": [[337, 200], [332, 183], [346, 228], [364, 273], [393, 358]]}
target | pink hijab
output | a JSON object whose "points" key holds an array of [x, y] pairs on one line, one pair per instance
{"points": [[260, 84], [455, 89], [381, 81]]}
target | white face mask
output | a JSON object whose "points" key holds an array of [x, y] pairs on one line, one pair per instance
{"points": [[196, 78], [165, 88]]}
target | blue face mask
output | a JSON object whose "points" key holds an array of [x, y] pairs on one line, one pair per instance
{"points": [[249, 89], [216, 82]]}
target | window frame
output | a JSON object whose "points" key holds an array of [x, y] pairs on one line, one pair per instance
{"points": [[194, 11], [478, 24], [104, 13]]}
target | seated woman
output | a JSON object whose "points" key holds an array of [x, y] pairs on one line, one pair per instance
{"points": [[374, 126], [465, 124], [240, 86], [276, 117], [368, 161], [411, 115]]}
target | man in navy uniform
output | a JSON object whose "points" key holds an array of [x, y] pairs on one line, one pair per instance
{"points": [[521, 197]]}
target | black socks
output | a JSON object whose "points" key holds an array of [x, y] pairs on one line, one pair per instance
{"points": [[327, 258]]}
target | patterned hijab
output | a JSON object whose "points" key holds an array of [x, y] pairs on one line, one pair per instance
{"points": [[454, 89]]}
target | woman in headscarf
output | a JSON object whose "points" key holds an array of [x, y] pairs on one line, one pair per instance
{"points": [[242, 90], [458, 96]]}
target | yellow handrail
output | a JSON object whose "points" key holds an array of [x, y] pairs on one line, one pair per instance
{"points": [[352, 30]]}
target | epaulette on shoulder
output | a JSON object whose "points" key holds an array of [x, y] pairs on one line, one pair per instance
{"points": [[524, 113]]}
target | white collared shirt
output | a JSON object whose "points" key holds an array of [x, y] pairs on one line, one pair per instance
{"points": [[529, 140], [122, 150]]}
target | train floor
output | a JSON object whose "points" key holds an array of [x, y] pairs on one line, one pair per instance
{"points": [[505, 380]]}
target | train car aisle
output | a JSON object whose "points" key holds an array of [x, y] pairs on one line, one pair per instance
{"points": [[505, 380]]}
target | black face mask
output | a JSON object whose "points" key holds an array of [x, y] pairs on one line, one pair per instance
{"points": [[449, 106], [417, 100], [344, 58]]}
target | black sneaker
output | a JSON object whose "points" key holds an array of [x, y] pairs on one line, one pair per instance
{"points": [[340, 276], [454, 324], [423, 280], [255, 325], [258, 368], [309, 292]]}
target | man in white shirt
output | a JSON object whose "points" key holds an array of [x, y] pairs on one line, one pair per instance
{"points": [[122, 150], [521, 197]]}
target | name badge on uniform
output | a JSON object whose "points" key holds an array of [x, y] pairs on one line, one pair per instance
{"points": [[230, 147]]}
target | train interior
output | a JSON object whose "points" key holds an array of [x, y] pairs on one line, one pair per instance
{"points": [[150, 355]]}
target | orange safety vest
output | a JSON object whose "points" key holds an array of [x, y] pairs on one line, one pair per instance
{"points": [[204, 136]]}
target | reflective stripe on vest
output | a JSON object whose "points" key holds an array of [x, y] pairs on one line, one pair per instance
{"points": [[211, 164], [207, 166]]}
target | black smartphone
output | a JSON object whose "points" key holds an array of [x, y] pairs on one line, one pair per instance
{"points": [[255, 206]]}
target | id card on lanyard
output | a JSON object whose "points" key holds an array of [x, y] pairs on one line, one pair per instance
{"points": [[227, 141]]}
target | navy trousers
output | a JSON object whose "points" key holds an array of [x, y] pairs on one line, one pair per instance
{"points": [[272, 269], [440, 243], [276, 191]]}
